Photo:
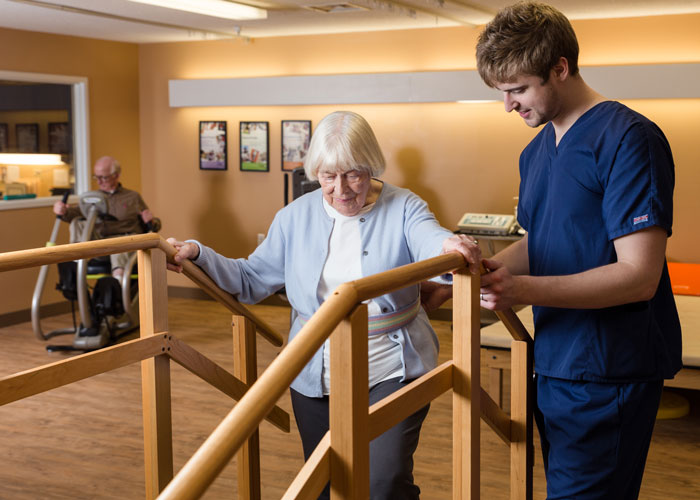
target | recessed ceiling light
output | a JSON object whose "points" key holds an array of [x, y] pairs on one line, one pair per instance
{"points": [[215, 8]]}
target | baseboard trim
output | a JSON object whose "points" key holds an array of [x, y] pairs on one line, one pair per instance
{"points": [[25, 315]]}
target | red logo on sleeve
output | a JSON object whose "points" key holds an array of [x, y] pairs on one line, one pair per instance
{"points": [[640, 219]]}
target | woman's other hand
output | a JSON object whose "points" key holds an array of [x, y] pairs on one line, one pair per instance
{"points": [[185, 251], [468, 247]]}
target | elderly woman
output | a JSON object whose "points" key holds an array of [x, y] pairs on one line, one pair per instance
{"points": [[354, 226]]}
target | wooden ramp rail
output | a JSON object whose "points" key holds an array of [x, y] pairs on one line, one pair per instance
{"points": [[154, 349], [343, 455]]}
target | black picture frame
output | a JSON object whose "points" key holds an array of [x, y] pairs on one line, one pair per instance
{"points": [[295, 137], [213, 145], [27, 137], [60, 141], [4, 138], [254, 146]]}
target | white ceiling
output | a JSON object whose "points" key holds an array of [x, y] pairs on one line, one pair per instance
{"points": [[121, 20]]}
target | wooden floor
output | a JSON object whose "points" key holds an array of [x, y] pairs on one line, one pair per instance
{"points": [[84, 441]]}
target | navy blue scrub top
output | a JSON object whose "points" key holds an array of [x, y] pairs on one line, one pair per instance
{"points": [[611, 174]]}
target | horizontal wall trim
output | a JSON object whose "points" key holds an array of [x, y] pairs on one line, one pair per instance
{"points": [[372, 88], [650, 81], [645, 81]]}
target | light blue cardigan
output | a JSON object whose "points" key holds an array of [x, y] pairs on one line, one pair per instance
{"points": [[399, 230]]}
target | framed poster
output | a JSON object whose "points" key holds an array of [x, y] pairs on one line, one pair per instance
{"points": [[27, 137], [255, 144], [296, 135], [3, 138], [59, 138], [213, 153]]}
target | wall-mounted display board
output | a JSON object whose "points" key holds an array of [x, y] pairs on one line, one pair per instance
{"points": [[296, 135], [255, 144], [212, 145]]}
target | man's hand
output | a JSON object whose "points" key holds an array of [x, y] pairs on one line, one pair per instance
{"points": [[146, 216], [498, 287], [60, 208], [467, 246], [185, 251]]}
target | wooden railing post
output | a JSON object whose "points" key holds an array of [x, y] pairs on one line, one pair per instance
{"points": [[466, 409], [155, 373], [521, 401], [349, 408], [245, 367]]}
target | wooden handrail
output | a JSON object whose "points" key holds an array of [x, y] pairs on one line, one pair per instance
{"points": [[22, 259], [201, 279], [208, 461]]}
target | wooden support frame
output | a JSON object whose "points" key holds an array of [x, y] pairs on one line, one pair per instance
{"points": [[343, 455], [245, 367], [155, 374], [521, 406], [349, 408], [466, 399]]}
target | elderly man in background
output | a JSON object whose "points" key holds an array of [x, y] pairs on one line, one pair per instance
{"points": [[126, 208]]}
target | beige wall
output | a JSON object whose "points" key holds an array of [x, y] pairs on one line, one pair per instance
{"points": [[459, 157], [112, 72]]}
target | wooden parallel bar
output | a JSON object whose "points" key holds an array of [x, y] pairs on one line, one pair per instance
{"points": [[521, 448], [467, 389], [514, 325], [403, 276], [245, 367], [22, 259], [155, 374], [391, 410], [201, 279], [201, 366], [51, 376], [208, 461], [348, 408], [314, 475]]}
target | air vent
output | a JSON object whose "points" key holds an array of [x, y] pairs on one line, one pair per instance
{"points": [[336, 7]]}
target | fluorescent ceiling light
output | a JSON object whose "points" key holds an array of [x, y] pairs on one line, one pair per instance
{"points": [[215, 8], [30, 159]]}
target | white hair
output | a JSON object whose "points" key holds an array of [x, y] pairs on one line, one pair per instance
{"points": [[344, 141]]}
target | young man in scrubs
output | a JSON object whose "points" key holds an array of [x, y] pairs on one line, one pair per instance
{"points": [[596, 200]]}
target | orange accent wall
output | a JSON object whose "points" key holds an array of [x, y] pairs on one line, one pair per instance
{"points": [[112, 72], [458, 157]]}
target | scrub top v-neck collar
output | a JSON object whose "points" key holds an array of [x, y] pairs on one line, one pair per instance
{"points": [[552, 145]]}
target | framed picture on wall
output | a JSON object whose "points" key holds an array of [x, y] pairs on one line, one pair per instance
{"points": [[3, 138], [213, 151], [296, 135], [27, 137], [59, 138], [255, 144]]}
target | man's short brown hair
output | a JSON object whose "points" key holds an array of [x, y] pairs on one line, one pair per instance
{"points": [[527, 38]]}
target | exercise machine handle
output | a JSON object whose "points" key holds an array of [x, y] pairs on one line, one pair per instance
{"points": [[64, 200]]}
